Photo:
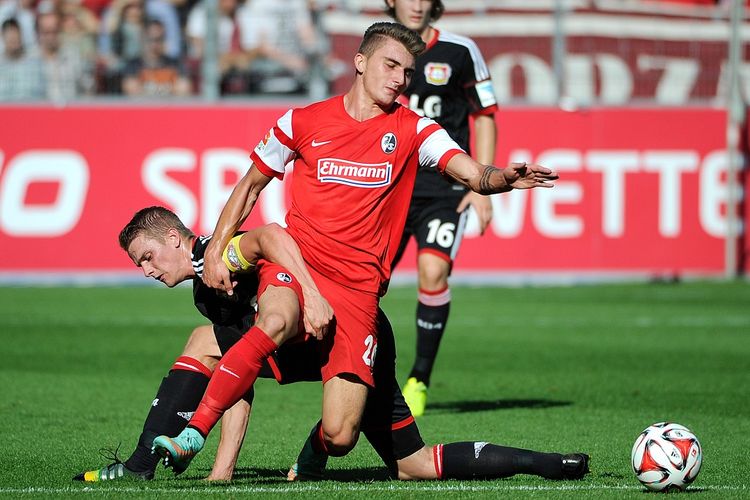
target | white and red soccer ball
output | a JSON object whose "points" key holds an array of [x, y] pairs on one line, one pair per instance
{"points": [[666, 456]]}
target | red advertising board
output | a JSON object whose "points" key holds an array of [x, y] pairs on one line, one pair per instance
{"points": [[640, 190]]}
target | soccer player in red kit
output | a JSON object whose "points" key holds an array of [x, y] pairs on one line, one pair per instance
{"points": [[355, 159]]}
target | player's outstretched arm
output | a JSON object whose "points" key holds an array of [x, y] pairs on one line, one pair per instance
{"points": [[233, 428], [273, 243], [238, 207], [486, 179]]}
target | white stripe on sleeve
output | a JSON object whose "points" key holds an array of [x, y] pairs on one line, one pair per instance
{"points": [[434, 147], [272, 151], [285, 124], [480, 67]]}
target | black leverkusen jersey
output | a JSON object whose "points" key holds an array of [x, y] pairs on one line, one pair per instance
{"points": [[236, 310], [451, 82]]}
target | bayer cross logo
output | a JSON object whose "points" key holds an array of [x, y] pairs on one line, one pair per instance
{"points": [[388, 143], [284, 278]]}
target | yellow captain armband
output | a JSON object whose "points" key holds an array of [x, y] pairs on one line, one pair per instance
{"points": [[233, 258]]}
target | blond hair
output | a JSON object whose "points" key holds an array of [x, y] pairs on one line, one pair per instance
{"points": [[377, 33], [154, 223]]}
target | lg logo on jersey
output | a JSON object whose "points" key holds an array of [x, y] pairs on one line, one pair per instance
{"points": [[432, 107]]}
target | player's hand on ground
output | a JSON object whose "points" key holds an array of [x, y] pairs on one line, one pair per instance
{"points": [[526, 176], [482, 206], [318, 315], [224, 476], [215, 272]]}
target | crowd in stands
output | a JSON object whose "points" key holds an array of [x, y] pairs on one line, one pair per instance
{"points": [[66, 49], [60, 50]]}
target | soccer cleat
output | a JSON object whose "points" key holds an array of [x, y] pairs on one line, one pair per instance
{"points": [[179, 451], [309, 466], [575, 465], [116, 470], [415, 394]]}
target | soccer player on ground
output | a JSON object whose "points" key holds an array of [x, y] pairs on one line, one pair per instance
{"points": [[451, 83], [387, 423], [160, 244], [356, 158]]}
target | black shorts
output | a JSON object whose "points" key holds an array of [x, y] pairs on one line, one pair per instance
{"points": [[227, 336], [435, 225], [387, 422]]}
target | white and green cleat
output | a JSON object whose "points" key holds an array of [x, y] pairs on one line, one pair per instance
{"points": [[179, 451]]}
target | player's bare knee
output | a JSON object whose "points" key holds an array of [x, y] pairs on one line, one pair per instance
{"points": [[340, 439], [201, 345], [275, 325], [434, 277], [192, 345]]}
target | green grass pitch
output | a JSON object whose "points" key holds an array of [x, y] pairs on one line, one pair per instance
{"points": [[548, 368]]}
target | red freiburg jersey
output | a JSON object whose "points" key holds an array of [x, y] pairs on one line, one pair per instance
{"points": [[352, 184]]}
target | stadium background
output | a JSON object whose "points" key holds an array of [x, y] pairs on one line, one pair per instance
{"points": [[632, 101], [628, 100]]}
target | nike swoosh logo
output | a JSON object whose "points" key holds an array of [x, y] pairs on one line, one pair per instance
{"points": [[223, 369], [315, 143]]}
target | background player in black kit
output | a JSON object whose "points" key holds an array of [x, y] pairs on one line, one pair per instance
{"points": [[451, 83]]}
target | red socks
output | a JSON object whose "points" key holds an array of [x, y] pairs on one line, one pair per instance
{"points": [[233, 377]]}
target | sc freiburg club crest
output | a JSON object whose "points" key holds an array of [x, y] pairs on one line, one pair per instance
{"points": [[388, 143]]}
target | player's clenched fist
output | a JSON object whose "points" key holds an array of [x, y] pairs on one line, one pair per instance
{"points": [[318, 315], [215, 272]]}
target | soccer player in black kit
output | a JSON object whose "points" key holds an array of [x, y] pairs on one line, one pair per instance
{"points": [[387, 422], [160, 244], [451, 84]]}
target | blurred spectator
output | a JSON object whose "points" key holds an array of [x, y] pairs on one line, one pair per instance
{"points": [[155, 74], [67, 75], [23, 12], [285, 39], [97, 7], [121, 34], [234, 58], [183, 8], [20, 74], [79, 29]]}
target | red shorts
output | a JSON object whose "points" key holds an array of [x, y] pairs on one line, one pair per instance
{"points": [[273, 274], [350, 346]]}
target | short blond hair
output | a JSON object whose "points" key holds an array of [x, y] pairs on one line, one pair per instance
{"points": [[377, 33], [154, 223]]}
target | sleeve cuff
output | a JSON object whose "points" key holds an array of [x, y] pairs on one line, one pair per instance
{"points": [[443, 162], [265, 169], [486, 111]]}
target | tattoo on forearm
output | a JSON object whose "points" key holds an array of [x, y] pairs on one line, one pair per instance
{"points": [[485, 186]]}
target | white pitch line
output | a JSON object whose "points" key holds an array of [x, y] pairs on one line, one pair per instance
{"points": [[352, 488]]}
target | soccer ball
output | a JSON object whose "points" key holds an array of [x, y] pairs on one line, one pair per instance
{"points": [[666, 456]]}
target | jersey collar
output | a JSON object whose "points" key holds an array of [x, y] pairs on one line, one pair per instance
{"points": [[434, 40]]}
